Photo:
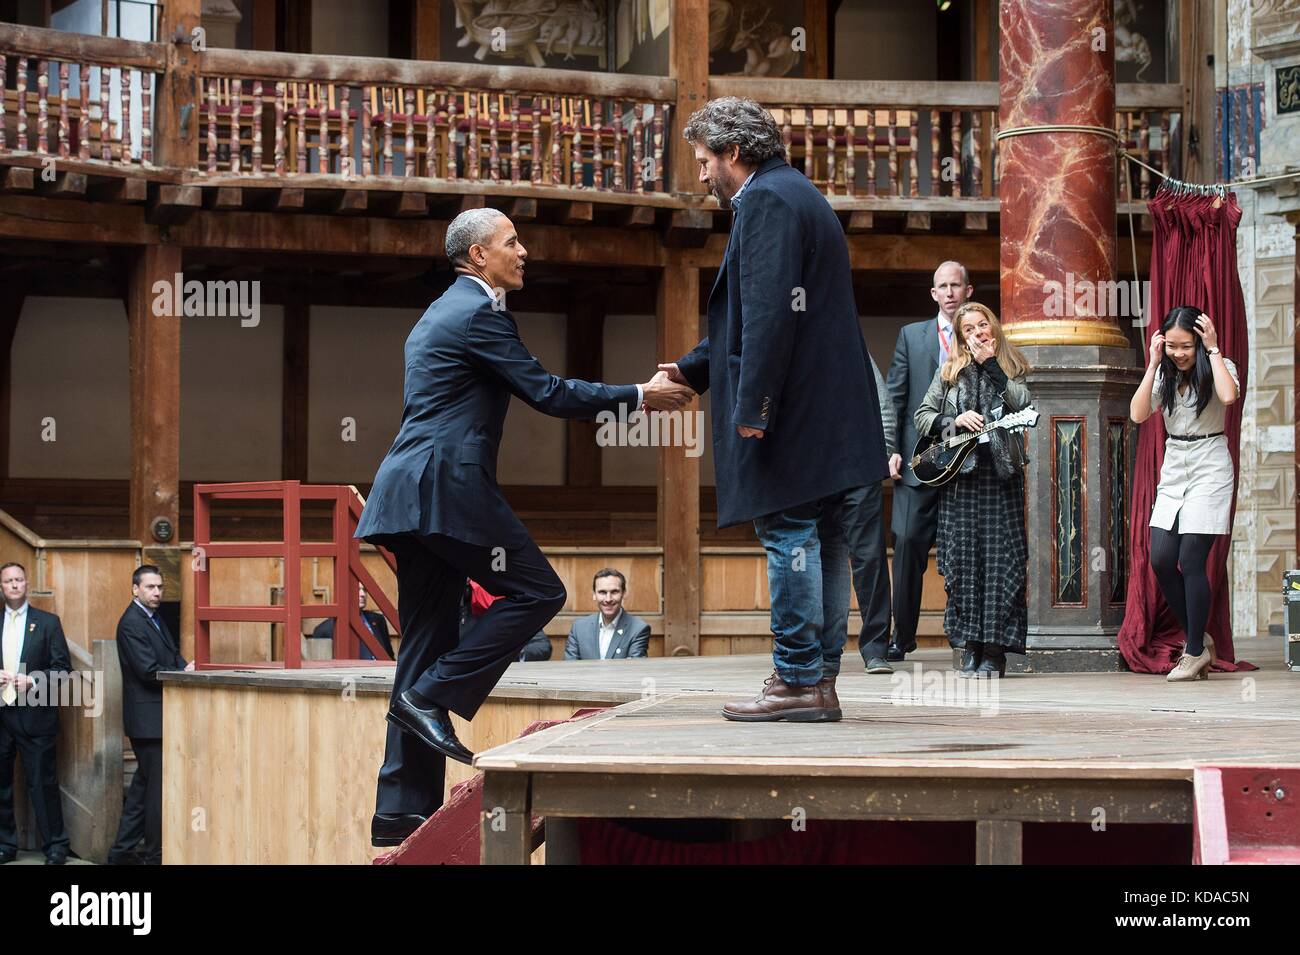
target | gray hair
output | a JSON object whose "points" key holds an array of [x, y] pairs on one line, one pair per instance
{"points": [[965, 275], [731, 121], [471, 227]]}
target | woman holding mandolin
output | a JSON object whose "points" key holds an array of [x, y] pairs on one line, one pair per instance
{"points": [[981, 540]]}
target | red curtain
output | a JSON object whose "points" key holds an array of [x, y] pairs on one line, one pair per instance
{"points": [[1193, 262]]}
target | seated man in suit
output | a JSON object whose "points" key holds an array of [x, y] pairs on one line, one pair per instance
{"points": [[145, 645], [33, 645], [613, 633], [373, 619]]}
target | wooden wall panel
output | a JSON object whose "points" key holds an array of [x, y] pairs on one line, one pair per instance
{"points": [[644, 579], [259, 776], [90, 589]]}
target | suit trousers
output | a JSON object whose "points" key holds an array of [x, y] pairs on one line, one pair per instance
{"points": [[39, 765], [142, 808], [915, 518], [456, 672], [862, 516]]}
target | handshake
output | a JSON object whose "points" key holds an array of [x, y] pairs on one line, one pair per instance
{"points": [[667, 390]]}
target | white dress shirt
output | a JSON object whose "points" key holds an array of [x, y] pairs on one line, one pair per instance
{"points": [[640, 395], [15, 629], [607, 632]]}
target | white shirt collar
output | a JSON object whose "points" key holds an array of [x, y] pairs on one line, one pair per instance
{"points": [[600, 620], [943, 321], [148, 613], [19, 612], [483, 285]]}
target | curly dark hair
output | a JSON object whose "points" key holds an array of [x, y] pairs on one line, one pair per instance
{"points": [[731, 121]]}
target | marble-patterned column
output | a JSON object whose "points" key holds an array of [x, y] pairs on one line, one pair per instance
{"points": [[1057, 194]]}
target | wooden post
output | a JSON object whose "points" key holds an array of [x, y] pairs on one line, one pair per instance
{"points": [[998, 841], [1196, 31], [817, 55], [677, 314], [13, 292], [505, 823], [264, 24], [983, 58], [294, 391], [176, 142], [155, 358], [425, 25], [688, 63], [584, 353]]}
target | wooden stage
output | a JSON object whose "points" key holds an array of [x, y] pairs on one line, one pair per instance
{"points": [[1116, 747], [279, 767]]}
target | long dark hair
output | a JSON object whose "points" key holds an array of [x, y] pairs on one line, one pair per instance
{"points": [[1201, 375]]}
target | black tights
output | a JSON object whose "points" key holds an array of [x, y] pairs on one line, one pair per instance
{"points": [[1180, 561]]}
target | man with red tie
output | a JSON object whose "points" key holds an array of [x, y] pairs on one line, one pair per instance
{"points": [[922, 348]]}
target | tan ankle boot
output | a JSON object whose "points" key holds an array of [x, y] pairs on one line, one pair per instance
{"points": [[1191, 668]]}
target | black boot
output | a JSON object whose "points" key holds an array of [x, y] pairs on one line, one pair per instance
{"points": [[971, 655], [993, 664]]}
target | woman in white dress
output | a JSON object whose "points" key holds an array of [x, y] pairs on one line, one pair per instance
{"points": [[1191, 382]]}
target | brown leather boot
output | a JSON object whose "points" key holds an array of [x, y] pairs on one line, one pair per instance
{"points": [[830, 699], [780, 701]]}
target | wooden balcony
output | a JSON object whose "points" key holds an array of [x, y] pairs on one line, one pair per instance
{"points": [[409, 139]]}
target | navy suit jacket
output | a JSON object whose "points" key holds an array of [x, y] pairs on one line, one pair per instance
{"points": [[45, 650], [142, 651], [916, 359], [464, 360], [800, 376]]}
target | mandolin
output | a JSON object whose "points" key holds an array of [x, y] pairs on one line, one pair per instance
{"points": [[935, 461]]}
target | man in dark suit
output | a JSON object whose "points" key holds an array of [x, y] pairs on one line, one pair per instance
{"points": [[922, 347], [35, 654], [611, 633], [436, 506], [145, 646], [371, 618], [475, 601], [796, 417]]}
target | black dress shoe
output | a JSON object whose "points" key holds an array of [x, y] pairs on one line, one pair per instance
{"points": [[432, 726], [130, 857], [971, 657], [56, 858], [895, 653], [994, 663], [7, 856], [393, 828]]}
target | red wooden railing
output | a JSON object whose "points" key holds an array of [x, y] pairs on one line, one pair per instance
{"points": [[343, 549]]}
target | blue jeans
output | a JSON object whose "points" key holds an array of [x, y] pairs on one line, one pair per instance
{"points": [[808, 579]]}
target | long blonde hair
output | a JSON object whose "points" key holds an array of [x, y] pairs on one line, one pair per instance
{"points": [[1009, 357]]}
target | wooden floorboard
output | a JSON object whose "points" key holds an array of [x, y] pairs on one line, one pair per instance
{"points": [[920, 721]]}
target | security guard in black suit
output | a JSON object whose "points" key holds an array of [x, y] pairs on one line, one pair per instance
{"points": [[145, 645], [35, 655]]}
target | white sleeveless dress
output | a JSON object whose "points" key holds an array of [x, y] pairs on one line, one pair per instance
{"points": [[1196, 479]]}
